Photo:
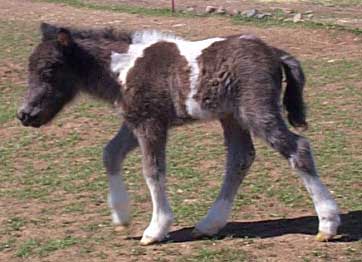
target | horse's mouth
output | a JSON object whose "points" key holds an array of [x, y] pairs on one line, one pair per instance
{"points": [[31, 121], [35, 124]]}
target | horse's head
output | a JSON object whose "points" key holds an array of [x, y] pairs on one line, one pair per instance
{"points": [[52, 79]]}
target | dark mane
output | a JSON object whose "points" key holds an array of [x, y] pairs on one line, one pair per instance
{"points": [[109, 33]]}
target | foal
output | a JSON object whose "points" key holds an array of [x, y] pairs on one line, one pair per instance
{"points": [[159, 81]]}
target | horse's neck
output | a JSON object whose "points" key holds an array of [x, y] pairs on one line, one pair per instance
{"points": [[98, 78]]}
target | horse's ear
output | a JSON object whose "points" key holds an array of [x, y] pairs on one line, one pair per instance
{"points": [[49, 32], [64, 37]]}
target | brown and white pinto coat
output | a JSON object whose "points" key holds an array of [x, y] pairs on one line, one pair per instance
{"points": [[159, 81]]}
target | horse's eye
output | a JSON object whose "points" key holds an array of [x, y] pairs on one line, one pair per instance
{"points": [[45, 75]]}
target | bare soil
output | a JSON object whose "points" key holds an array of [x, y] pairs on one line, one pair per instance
{"points": [[343, 15], [305, 43]]}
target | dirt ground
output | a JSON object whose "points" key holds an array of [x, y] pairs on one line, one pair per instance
{"points": [[343, 15], [259, 238], [320, 43]]}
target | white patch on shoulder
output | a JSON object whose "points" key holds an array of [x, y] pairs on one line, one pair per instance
{"points": [[121, 63]]}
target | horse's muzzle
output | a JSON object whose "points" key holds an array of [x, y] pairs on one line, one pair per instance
{"points": [[28, 119]]}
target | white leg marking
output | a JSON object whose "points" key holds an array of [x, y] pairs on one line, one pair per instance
{"points": [[216, 218], [325, 205], [162, 216], [118, 200]]}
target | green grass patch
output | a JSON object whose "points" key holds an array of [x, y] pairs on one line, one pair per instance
{"points": [[7, 245], [27, 248], [209, 254], [342, 3], [43, 248], [327, 71], [278, 20], [118, 8], [17, 40], [9, 101], [16, 223]]}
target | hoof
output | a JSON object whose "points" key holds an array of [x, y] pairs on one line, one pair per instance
{"points": [[146, 241], [324, 237], [196, 234], [120, 219], [121, 228]]}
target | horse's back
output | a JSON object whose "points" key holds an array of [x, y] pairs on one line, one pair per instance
{"points": [[174, 79]]}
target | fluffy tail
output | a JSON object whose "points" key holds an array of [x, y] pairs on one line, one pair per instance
{"points": [[293, 96]]}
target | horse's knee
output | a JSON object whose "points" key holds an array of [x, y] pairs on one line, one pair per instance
{"points": [[302, 159], [248, 159]]}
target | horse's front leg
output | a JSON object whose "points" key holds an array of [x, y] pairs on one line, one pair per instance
{"points": [[152, 140], [113, 155]]}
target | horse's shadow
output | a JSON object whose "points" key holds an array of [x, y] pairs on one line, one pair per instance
{"points": [[350, 230]]}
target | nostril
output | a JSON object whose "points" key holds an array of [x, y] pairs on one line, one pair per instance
{"points": [[20, 115], [24, 117]]}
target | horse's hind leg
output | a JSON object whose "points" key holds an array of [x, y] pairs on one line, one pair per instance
{"points": [[240, 156], [297, 150], [113, 155]]}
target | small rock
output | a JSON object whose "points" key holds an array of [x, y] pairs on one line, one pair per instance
{"points": [[178, 25], [297, 18], [250, 13], [210, 9], [221, 10], [236, 12], [310, 16], [120, 228], [263, 15], [260, 16], [288, 11], [308, 12], [190, 9]]}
